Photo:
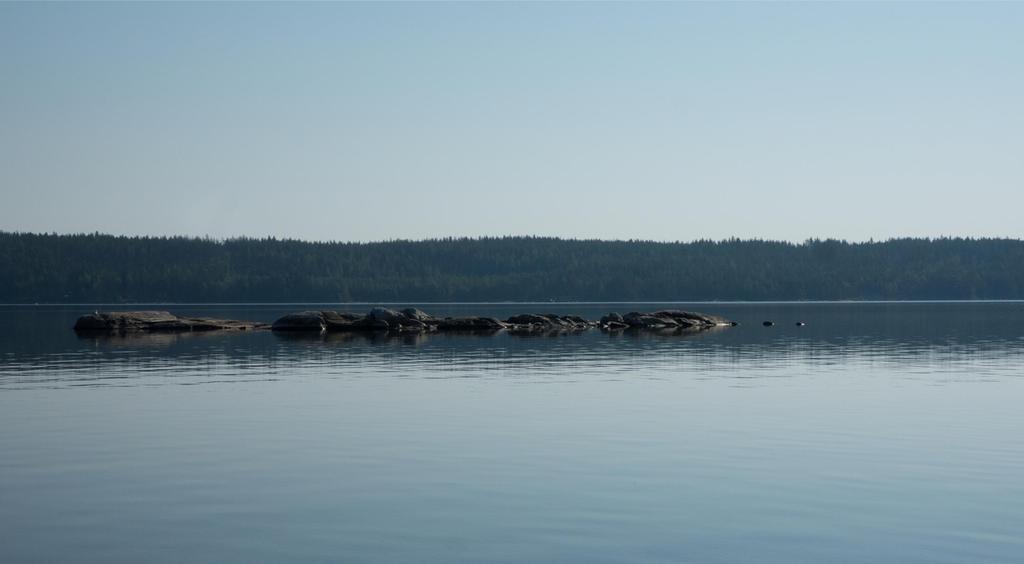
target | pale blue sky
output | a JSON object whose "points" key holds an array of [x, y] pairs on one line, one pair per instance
{"points": [[653, 121]]}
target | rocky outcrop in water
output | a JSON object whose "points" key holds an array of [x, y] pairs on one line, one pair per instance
{"points": [[409, 320], [157, 322], [412, 320], [548, 323], [481, 324], [665, 319]]}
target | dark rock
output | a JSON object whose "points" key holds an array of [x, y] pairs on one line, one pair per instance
{"points": [[666, 319], [546, 323], [156, 322], [337, 321], [121, 320], [199, 324], [394, 319], [301, 321], [470, 324], [682, 321], [717, 320], [532, 329], [413, 313], [612, 317], [648, 321], [414, 325], [412, 320], [695, 318], [531, 319], [385, 314], [615, 325], [379, 319]]}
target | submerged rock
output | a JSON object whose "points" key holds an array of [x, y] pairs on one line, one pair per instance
{"points": [[157, 322]]}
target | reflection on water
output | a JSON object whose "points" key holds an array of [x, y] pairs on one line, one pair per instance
{"points": [[877, 432], [960, 341]]}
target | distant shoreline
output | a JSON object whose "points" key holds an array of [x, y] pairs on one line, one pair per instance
{"points": [[425, 303], [79, 269]]}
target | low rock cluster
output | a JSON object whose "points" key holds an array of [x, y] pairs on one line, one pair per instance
{"points": [[157, 322], [412, 320], [664, 319], [409, 320]]}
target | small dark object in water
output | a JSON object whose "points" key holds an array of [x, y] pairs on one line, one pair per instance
{"points": [[800, 324], [768, 323], [734, 323]]}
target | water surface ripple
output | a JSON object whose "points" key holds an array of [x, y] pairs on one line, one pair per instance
{"points": [[881, 432]]}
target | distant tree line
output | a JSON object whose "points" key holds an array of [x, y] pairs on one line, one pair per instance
{"points": [[51, 268]]}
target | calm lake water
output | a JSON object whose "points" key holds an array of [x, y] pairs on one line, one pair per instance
{"points": [[877, 433]]}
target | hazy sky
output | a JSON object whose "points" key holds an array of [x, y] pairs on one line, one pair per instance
{"points": [[654, 121]]}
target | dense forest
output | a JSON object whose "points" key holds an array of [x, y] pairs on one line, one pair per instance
{"points": [[42, 268]]}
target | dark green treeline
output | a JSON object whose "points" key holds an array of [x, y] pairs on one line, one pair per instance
{"points": [[104, 268]]}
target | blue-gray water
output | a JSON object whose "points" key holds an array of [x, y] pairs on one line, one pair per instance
{"points": [[877, 433]]}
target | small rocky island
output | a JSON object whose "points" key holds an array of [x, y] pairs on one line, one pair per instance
{"points": [[409, 320], [417, 321], [157, 322]]}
